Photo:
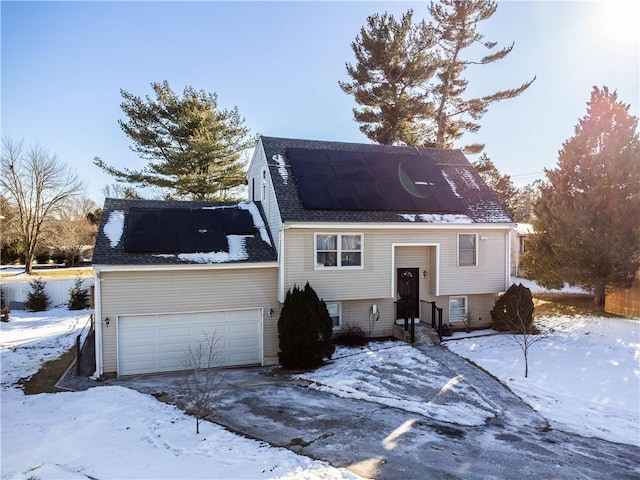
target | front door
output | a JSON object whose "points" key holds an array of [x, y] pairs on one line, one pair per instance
{"points": [[407, 297]]}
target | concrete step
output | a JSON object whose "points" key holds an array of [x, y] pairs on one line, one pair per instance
{"points": [[424, 334]]}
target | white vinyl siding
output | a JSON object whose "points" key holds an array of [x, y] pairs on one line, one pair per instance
{"points": [[338, 250], [467, 249]]}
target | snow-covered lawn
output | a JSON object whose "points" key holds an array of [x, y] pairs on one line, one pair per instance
{"points": [[114, 432], [584, 377]]}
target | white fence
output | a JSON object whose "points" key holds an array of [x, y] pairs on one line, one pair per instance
{"points": [[57, 289]]}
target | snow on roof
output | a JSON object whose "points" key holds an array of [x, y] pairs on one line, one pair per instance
{"points": [[467, 178], [282, 168], [237, 252], [114, 227], [436, 218], [257, 219], [451, 184]]}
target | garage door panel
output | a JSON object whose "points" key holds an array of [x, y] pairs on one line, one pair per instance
{"points": [[160, 343]]}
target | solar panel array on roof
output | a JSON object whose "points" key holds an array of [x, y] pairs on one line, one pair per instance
{"points": [[180, 230], [346, 180]]}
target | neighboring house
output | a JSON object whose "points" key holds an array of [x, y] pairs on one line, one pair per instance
{"points": [[625, 302], [519, 246], [376, 230]]}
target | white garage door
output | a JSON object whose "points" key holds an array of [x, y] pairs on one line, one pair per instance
{"points": [[160, 343]]}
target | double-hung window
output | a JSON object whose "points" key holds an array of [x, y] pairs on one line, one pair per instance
{"points": [[335, 312], [467, 249], [457, 309], [338, 250]]}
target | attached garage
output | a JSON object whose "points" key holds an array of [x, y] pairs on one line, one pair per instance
{"points": [[161, 343]]}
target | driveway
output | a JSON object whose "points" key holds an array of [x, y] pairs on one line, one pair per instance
{"points": [[379, 441]]}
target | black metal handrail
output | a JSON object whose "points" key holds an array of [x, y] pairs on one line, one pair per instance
{"points": [[436, 317], [408, 314]]}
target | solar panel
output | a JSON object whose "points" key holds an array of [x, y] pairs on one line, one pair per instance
{"points": [[182, 230], [352, 180]]}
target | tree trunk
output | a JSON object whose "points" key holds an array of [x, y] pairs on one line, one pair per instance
{"points": [[28, 264], [598, 294]]}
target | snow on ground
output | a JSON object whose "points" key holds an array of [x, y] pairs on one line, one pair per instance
{"points": [[372, 373], [584, 376], [114, 432], [535, 288]]}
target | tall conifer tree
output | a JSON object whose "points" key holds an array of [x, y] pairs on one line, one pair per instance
{"points": [[586, 221], [194, 149], [389, 80], [456, 24]]}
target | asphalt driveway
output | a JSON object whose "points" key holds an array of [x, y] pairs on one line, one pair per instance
{"points": [[379, 441]]}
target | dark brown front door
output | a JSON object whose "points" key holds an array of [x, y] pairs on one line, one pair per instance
{"points": [[408, 298]]}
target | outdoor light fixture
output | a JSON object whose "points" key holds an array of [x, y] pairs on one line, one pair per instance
{"points": [[424, 274], [484, 238], [107, 321], [271, 312]]}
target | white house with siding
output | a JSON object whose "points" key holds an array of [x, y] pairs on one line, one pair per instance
{"points": [[378, 231]]}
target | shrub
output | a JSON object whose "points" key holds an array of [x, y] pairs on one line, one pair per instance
{"points": [[352, 336], [79, 297], [513, 310], [304, 330], [37, 298]]}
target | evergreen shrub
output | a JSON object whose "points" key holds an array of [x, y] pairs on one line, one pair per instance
{"points": [[37, 298], [79, 297], [513, 310], [304, 330]]}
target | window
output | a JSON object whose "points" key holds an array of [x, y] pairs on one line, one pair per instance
{"points": [[264, 186], [335, 312], [457, 309], [338, 250], [467, 249]]}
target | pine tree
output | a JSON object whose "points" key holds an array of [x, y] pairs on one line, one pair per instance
{"points": [[587, 215], [456, 24], [393, 78], [37, 298], [78, 296], [304, 329], [389, 80], [193, 148]]}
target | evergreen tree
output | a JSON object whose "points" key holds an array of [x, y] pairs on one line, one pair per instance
{"points": [[304, 329], [193, 148], [587, 215], [389, 79], [79, 296], [393, 79], [456, 24], [37, 298]]}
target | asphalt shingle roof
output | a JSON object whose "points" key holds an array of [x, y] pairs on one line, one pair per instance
{"points": [[257, 250], [479, 202]]}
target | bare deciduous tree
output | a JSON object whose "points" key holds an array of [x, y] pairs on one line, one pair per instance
{"points": [[38, 184], [198, 385]]}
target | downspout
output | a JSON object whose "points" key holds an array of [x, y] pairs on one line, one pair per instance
{"points": [[281, 265], [508, 260], [98, 325]]}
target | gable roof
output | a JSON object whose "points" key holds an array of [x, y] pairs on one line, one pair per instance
{"points": [[158, 232], [477, 202]]}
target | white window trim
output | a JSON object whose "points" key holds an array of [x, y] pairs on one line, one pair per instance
{"points": [[339, 326], [458, 250], [466, 308], [316, 266], [263, 186]]}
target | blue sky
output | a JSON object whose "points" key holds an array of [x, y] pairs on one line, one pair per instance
{"points": [[64, 63]]}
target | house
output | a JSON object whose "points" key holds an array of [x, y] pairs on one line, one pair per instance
{"points": [[519, 245], [625, 302], [380, 232]]}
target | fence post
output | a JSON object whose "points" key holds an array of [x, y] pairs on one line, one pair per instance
{"points": [[78, 356]]}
